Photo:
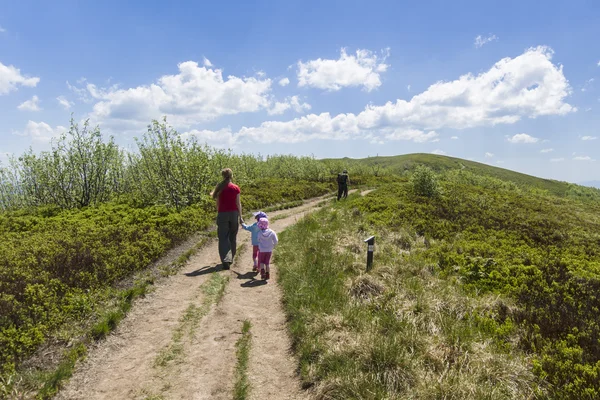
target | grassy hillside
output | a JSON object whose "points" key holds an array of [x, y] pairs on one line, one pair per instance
{"points": [[402, 163], [486, 289]]}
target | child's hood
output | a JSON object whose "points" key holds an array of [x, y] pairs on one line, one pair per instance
{"points": [[266, 233]]}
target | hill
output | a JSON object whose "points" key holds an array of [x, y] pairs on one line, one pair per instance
{"points": [[402, 163], [482, 288]]}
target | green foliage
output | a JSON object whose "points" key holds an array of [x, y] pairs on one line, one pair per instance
{"points": [[241, 388], [536, 248], [424, 182], [398, 331], [80, 170]]}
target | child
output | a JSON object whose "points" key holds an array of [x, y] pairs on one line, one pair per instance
{"points": [[267, 239], [255, 230]]}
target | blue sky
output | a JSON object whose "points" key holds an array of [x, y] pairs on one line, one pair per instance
{"points": [[509, 83]]}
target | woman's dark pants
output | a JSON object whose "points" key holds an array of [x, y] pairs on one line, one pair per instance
{"points": [[227, 229]]}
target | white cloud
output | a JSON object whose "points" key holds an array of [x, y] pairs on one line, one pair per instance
{"points": [[66, 104], [292, 102], [489, 155], [557, 159], [207, 62], [414, 135], [222, 138], [82, 92], [261, 74], [523, 138], [40, 132], [284, 81], [454, 138], [30, 105], [408, 88], [362, 69], [589, 138], [527, 86], [500, 162], [2, 30], [10, 78], [598, 63], [583, 158], [482, 40], [546, 150], [587, 85], [196, 94], [279, 108], [439, 152]]}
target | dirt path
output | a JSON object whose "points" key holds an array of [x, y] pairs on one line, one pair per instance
{"points": [[124, 366]]}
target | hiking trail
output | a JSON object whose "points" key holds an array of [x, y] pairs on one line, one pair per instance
{"points": [[175, 344]]}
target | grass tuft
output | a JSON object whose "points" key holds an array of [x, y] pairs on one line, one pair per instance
{"points": [[242, 385]]}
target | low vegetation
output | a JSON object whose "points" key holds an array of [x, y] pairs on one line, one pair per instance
{"points": [[241, 388], [485, 291], [79, 222]]}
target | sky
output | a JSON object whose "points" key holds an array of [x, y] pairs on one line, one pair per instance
{"points": [[510, 83]]}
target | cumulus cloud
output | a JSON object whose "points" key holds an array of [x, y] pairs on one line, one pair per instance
{"points": [[561, 159], [527, 86], [222, 138], [284, 81], [350, 70], [292, 102], [489, 155], [66, 104], [30, 105], [546, 150], [11, 77], [40, 132], [523, 138], [439, 152], [482, 40], [195, 94], [589, 138], [207, 62], [454, 138]]}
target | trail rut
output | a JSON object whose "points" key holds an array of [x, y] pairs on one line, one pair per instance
{"points": [[124, 365]]}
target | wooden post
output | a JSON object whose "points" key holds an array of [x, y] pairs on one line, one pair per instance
{"points": [[370, 248]]}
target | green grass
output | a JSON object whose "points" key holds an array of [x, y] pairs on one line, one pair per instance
{"points": [[399, 331], [505, 278], [242, 385], [54, 380], [399, 165]]}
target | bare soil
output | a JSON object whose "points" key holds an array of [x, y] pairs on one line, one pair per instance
{"points": [[123, 366]]}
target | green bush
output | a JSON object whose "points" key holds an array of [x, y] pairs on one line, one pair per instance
{"points": [[424, 182]]}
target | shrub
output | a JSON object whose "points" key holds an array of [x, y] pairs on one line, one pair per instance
{"points": [[424, 182]]}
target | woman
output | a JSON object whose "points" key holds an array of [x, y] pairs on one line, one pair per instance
{"points": [[229, 216]]}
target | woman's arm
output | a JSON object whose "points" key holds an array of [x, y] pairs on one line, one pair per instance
{"points": [[238, 202], [215, 193]]}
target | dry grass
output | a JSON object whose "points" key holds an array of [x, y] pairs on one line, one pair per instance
{"points": [[397, 332]]}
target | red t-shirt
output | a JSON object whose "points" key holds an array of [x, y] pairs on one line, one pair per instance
{"points": [[227, 198]]}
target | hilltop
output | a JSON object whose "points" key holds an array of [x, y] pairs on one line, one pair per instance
{"points": [[402, 163]]}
